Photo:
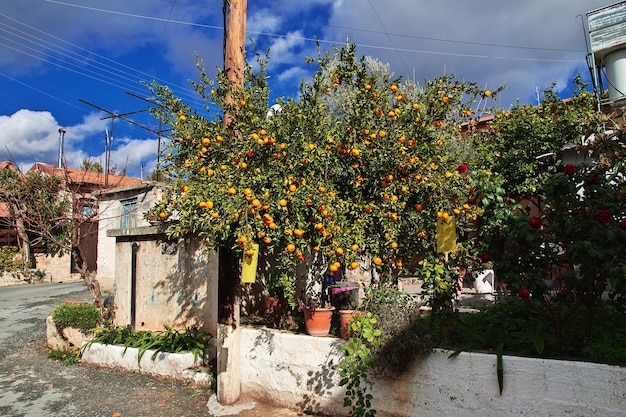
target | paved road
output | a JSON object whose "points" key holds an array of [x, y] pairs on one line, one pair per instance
{"points": [[33, 386], [22, 306]]}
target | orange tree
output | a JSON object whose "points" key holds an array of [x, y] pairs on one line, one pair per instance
{"points": [[358, 166]]}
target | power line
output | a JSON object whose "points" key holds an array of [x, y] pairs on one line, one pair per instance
{"points": [[38, 90], [325, 41], [388, 36], [90, 53]]}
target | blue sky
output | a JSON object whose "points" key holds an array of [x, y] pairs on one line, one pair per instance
{"points": [[55, 53]]}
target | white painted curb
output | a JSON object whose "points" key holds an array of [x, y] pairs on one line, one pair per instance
{"points": [[174, 365]]}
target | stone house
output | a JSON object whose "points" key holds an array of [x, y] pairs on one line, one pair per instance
{"points": [[83, 188]]}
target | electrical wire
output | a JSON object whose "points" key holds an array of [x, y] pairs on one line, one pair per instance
{"points": [[380, 21], [326, 41], [117, 69]]}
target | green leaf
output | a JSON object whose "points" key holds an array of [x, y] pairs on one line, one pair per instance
{"points": [[539, 343]]}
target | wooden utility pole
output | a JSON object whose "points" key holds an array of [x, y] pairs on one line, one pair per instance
{"points": [[228, 328]]}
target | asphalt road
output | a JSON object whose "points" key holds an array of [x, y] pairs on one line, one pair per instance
{"points": [[31, 385]]}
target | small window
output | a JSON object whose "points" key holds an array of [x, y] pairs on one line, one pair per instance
{"points": [[129, 214]]}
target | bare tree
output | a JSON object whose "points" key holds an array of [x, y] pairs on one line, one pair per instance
{"points": [[54, 212]]}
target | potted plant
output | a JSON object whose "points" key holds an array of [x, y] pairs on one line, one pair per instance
{"points": [[317, 319], [314, 301], [277, 305], [275, 290], [344, 296]]}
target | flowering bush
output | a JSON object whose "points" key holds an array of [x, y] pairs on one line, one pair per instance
{"points": [[574, 250], [12, 259], [360, 166]]}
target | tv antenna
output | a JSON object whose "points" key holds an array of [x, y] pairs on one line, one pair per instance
{"points": [[158, 132], [109, 135]]}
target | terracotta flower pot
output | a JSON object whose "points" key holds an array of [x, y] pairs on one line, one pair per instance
{"points": [[344, 319], [317, 321]]}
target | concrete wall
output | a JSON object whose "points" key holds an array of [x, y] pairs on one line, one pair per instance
{"points": [[301, 371], [180, 365], [109, 211], [23, 278], [59, 267], [176, 281], [109, 216]]}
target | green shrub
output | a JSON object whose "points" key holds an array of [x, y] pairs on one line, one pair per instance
{"points": [[64, 356], [168, 340], [387, 336], [11, 259], [84, 317], [523, 330]]}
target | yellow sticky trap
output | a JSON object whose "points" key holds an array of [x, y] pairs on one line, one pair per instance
{"points": [[446, 235], [248, 267]]}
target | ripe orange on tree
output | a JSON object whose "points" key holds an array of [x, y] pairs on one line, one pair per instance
{"points": [[370, 149]]}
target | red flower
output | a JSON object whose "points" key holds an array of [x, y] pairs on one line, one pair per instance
{"points": [[604, 216], [462, 168], [523, 293], [485, 257], [622, 224], [570, 169], [535, 222]]}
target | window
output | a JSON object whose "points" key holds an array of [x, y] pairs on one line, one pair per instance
{"points": [[129, 214]]}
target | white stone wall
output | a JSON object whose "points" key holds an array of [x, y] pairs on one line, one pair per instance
{"points": [[302, 372], [59, 267], [109, 217], [180, 365], [175, 284]]}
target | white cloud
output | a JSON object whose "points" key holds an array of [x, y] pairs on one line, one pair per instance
{"points": [[480, 41], [28, 136], [263, 20], [293, 75], [132, 154]]}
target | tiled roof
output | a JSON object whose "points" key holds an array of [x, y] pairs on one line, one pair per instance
{"points": [[77, 176], [7, 165]]}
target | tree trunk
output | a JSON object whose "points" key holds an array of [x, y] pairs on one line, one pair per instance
{"points": [[89, 277], [24, 241]]}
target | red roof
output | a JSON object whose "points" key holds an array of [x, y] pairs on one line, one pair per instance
{"points": [[77, 176], [7, 165]]}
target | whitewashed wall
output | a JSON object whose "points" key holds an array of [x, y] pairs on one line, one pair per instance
{"points": [[302, 372]]}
